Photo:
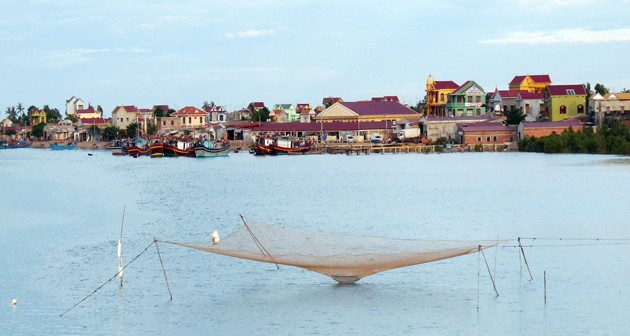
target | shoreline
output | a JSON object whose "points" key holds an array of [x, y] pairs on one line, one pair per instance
{"points": [[80, 145]]}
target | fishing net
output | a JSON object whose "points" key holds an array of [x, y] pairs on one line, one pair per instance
{"points": [[345, 258]]}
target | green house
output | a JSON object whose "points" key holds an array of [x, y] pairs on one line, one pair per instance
{"points": [[290, 110], [565, 101], [466, 101]]}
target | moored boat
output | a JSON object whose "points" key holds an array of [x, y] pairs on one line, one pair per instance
{"points": [[264, 146], [138, 147], [63, 147], [156, 149], [289, 145], [179, 148], [118, 147], [204, 149]]}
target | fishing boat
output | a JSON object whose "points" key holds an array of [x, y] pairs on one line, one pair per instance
{"points": [[69, 146], [118, 147], [179, 148], [205, 149], [138, 147], [20, 144], [156, 149], [264, 146], [290, 145]]}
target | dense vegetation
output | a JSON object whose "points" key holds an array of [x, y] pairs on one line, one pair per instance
{"points": [[608, 140]]}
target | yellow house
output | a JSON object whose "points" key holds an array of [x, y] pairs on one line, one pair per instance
{"points": [[530, 83], [366, 111], [37, 117], [437, 96], [565, 101], [89, 113], [124, 115], [191, 117]]}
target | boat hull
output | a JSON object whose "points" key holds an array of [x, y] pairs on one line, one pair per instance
{"points": [[136, 151], [62, 147], [263, 150], [205, 152], [290, 151], [172, 151]]}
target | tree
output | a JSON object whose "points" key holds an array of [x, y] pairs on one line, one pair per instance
{"points": [[151, 129], [38, 130], [110, 132], [52, 115], [132, 129], [12, 114], [169, 112], [601, 89], [99, 109], [72, 118], [20, 111], [514, 116], [260, 114], [208, 106], [158, 112]]}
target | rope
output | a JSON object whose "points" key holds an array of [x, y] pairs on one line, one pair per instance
{"points": [[525, 259], [262, 249], [108, 280], [163, 270], [562, 245], [489, 273]]}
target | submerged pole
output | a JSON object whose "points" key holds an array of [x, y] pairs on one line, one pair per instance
{"points": [[120, 263], [525, 259]]}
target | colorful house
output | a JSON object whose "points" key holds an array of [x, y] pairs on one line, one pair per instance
{"points": [[37, 116], [530, 83], [527, 129], [365, 111], [290, 110], [216, 113], [89, 113], [565, 101], [256, 106], [306, 113], [191, 117], [73, 105], [467, 100], [124, 115], [437, 96]]}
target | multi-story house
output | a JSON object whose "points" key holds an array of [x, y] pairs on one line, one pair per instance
{"points": [[290, 110], [124, 115], [565, 101], [530, 83], [437, 95], [365, 111], [532, 104], [73, 105], [467, 100], [191, 117]]}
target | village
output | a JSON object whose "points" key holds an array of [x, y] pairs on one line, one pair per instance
{"points": [[452, 116]]}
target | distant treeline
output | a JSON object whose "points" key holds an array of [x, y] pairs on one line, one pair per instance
{"points": [[607, 140]]}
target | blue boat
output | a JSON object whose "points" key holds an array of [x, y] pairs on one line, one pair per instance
{"points": [[63, 147]]}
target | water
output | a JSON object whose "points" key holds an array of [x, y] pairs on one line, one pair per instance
{"points": [[60, 215]]}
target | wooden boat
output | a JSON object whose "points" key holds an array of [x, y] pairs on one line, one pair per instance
{"points": [[118, 147], [138, 147], [156, 149], [289, 145], [20, 144], [63, 147], [264, 146], [179, 148], [205, 149]]}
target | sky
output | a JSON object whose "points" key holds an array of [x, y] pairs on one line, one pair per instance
{"points": [[149, 52]]}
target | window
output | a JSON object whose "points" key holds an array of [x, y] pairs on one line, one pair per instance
{"points": [[563, 109], [488, 139], [459, 99], [172, 122], [441, 97], [478, 99], [478, 111], [570, 92], [190, 120], [580, 108], [478, 139], [470, 99], [164, 123], [495, 138]]}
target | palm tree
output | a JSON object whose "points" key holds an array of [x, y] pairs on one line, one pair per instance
{"points": [[12, 114], [20, 111]]}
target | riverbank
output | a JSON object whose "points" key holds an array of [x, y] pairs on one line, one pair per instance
{"points": [[80, 145]]}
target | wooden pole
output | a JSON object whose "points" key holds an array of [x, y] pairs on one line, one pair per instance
{"points": [[545, 276], [120, 263]]}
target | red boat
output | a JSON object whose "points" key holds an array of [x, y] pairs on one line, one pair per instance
{"points": [[289, 145], [264, 146], [179, 148]]}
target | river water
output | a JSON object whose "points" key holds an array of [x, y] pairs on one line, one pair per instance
{"points": [[60, 217]]}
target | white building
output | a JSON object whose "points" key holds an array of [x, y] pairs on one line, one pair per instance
{"points": [[73, 105], [532, 104]]}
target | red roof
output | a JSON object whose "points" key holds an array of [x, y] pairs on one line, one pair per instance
{"points": [[164, 108], [561, 90], [433, 118], [326, 126], [442, 85], [90, 109], [531, 95], [483, 127], [93, 121], [535, 78], [509, 93], [130, 108], [330, 100], [256, 104], [189, 111], [385, 98], [552, 124], [145, 110], [368, 108]]}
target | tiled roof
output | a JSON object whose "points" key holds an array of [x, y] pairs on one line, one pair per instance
{"points": [[330, 100], [369, 108], [326, 126], [535, 78], [93, 121], [442, 85], [462, 86], [531, 95], [483, 127], [561, 90], [552, 124], [145, 110], [509, 93], [257, 104], [90, 109], [385, 98], [433, 118], [189, 111], [130, 108]]}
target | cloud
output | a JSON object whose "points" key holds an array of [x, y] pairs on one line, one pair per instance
{"points": [[577, 35], [250, 33]]}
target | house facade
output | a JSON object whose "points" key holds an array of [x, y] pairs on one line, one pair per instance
{"points": [[290, 110], [532, 104], [37, 116], [530, 83], [73, 105], [329, 101], [124, 115], [307, 115], [437, 96], [467, 100], [434, 127], [216, 114], [565, 101], [191, 117], [484, 133], [365, 111], [527, 129], [89, 113], [502, 101]]}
